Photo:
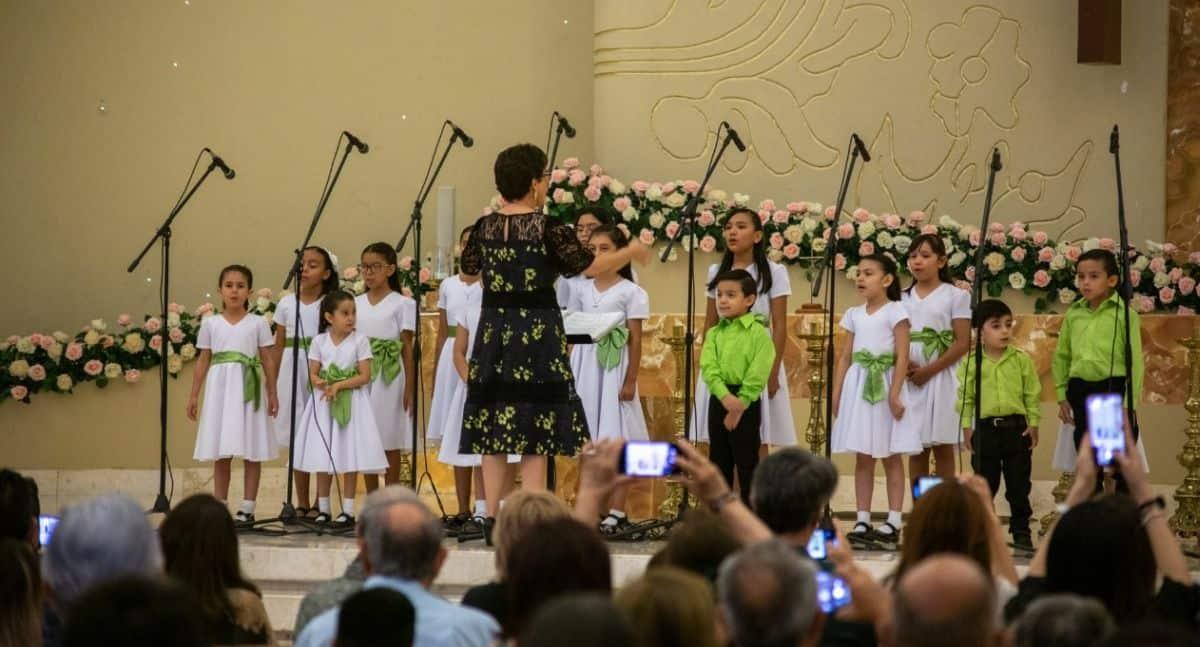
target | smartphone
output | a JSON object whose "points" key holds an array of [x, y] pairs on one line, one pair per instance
{"points": [[922, 485], [816, 544], [46, 525], [832, 592], [1106, 425], [649, 459]]}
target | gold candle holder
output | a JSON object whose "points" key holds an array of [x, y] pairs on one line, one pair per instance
{"points": [[1060, 491], [406, 467], [676, 342], [1186, 520], [814, 347]]}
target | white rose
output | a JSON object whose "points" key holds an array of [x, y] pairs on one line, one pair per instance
{"points": [[188, 351], [947, 221], [965, 233], [1090, 244], [1162, 279], [885, 240], [741, 199], [262, 303], [716, 195], [359, 286], [629, 214], [61, 337], [817, 208], [1058, 262], [676, 200], [64, 382], [1066, 295], [994, 262], [99, 324], [269, 318], [4, 346], [173, 320], [1153, 247], [657, 220], [949, 243], [775, 255], [26, 346], [819, 245], [956, 258], [1141, 263], [809, 224], [19, 368], [55, 351], [134, 343], [793, 233], [91, 338], [866, 229], [616, 187], [903, 243], [852, 272], [112, 370], [174, 364], [654, 192], [1016, 280]]}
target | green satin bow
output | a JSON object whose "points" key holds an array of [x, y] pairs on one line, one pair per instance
{"points": [[305, 342], [340, 407], [610, 346], [251, 376], [385, 358], [875, 365], [935, 342]]}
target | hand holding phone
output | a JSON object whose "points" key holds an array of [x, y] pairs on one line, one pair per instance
{"points": [[648, 459], [1106, 426], [923, 484]]}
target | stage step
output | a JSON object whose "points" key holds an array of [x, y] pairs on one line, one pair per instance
{"points": [[282, 600]]}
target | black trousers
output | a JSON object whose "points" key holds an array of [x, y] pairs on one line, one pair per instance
{"points": [[737, 449], [1001, 450], [1078, 391]]}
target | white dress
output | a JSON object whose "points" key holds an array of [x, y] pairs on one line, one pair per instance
{"points": [[454, 298], [566, 288], [386, 320], [777, 428], [451, 422], [230, 426], [328, 447], [285, 315], [862, 427], [600, 389], [930, 409]]}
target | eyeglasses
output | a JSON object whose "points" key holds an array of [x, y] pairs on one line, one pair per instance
{"points": [[588, 227], [371, 268]]}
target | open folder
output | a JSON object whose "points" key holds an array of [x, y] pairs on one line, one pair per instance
{"points": [[589, 327]]}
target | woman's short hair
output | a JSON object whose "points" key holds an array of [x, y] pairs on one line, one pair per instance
{"points": [[523, 510], [670, 607], [516, 168]]}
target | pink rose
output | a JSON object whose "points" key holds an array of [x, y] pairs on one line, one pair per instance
{"points": [[691, 187], [74, 351], [156, 343], [1166, 295], [576, 177], [350, 273], [891, 221], [1041, 278], [93, 367], [175, 308], [830, 213], [562, 196], [36, 339], [764, 215], [1175, 274], [973, 238], [791, 251], [1194, 258], [133, 375], [37, 372], [124, 320], [406, 263], [640, 186], [558, 176], [622, 203], [1072, 253], [176, 335], [866, 248], [839, 262], [592, 193], [1169, 248], [776, 241], [767, 204], [668, 188], [1040, 238], [107, 341], [595, 181], [1157, 265], [671, 229], [780, 217], [19, 392], [570, 163], [997, 238], [1018, 254], [596, 169], [797, 207], [646, 236], [204, 309], [929, 229], [861, 215], [1143, 303], [1184, 310], [970, 273], [12, 339], [845, 231], [264, 293], [708, 244], [424, 275], [1108, 243], [1187, 284], [1135, 277], [1018, 234], [46, 342], [153, 325], [1045, 255], [917, 217], [605, 181], [624, 228], [996, 228], [706, 218]]}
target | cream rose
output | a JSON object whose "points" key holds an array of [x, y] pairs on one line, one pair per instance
{"points": [[809, 224], [1162, 280], [794, 233], [629, 214], [99, 324], [716, 195], [18, 369], [655, 192], [819, 245], [902, 243], [956, 258], [173, 320], [741, 199], [112, 370], [174, 364], [616, 187], [1016, 280], [188, 351], [885, 240], [866, 229], [676, 200], [994, 262], [1066, 295], [657, 220], [26, 346], [133, 343], [64, 382]]}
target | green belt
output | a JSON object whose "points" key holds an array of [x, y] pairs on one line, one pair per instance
{"points": [[305, 342], [936, 342], [875, 365], [610, 346], [451, 331], [341, 402], [251, 376], [385, 359]]}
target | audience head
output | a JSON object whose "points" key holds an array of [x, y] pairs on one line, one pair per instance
{"points": [[96, 541], [1063, 620], [200, 550], [375, 618], [945, 601], [522, 511], [554, 557], [399, 537], [1099, 549], [790, 490], [768, 597], [20, 594], [670, 607], [579, 620], [699, 544], [18, 513], [949, 518], [135, 610]]}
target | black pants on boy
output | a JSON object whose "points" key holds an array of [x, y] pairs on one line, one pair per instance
{"points": [[1000, 449], [1078, 391], [737, 449]]}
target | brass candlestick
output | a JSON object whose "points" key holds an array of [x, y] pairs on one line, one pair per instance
{"points": [[814, 346], [1186, 520], [1060, 491], [670, 506], [406, 467]]}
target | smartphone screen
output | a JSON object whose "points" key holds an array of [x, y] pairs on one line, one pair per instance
{"points": [[1106, 424], [922, 485], [46, 526], [832, 592], [816, 544], [649, 459]]}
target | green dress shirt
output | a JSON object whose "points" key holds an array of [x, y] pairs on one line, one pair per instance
{"points": [[1010, 387], [737, 351], [1087, 350]]}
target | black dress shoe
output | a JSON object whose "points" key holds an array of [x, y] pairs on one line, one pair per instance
{"points": [[489, 524]]}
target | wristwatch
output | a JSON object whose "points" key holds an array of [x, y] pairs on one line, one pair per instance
{"points": [[720, 502], [1156, 502]]}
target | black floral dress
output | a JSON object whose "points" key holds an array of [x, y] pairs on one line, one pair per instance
{"points": [[521, 395]]}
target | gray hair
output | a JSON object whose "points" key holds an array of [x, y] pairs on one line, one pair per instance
{"points": [[767, 595], [791, 488], [97, 541], [968, 615], [1063, 620], [405, 552]]}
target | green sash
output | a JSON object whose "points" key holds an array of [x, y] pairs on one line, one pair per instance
{"points": [[251, 376], [609, 347], [341, 402], [451, 330], [935, 342], [875, 365], [385, 359], [305, 342]]}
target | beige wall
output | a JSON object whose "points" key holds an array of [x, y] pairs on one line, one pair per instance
{"points": [[268, 85]]}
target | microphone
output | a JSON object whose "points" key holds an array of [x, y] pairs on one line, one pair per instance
{"points": [[220, 163], [733, 136], [996, 165], [1114, 141], [565, 125], [462, 135], [356, 142], [862, 150]]}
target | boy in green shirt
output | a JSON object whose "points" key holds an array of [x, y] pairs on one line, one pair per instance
{"points": [[1009, 415], [735, 363]]}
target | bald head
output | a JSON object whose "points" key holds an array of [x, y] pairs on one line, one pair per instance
{"points": [[945, 600], [402, 537]]}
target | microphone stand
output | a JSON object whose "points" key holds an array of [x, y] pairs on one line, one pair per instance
{"points": [[161, 502], [976, 296], [414, 227], [1125, 289], [553, 148]]}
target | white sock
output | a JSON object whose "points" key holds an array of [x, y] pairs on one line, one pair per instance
{"points": [[323, 504], [864, 516], [614, 517], [247, 506], [894, 518], [348, 506], [480, 508]]}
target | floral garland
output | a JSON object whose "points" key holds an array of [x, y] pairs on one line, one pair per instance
{"points": [[1016, 258], [59, 362]]}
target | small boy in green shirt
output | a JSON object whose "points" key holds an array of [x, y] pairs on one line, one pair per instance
{"points": [[735, 363], [1009, 415]]}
